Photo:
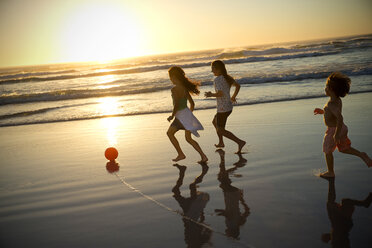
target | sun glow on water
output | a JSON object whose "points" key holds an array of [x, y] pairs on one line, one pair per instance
{"points": [[109, 106], [111, 125], [107, 79]]}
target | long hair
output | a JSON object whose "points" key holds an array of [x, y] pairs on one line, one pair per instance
{"points": [[191, 86], [339, 83], [219, 65]]}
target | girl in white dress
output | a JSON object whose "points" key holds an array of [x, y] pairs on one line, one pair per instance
{"points": [[184, 120]]}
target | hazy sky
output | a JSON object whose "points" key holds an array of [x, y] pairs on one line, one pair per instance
{"points": [[55, 31]]}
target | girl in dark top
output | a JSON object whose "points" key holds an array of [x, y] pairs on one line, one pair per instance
{"points": [[184, 120]]}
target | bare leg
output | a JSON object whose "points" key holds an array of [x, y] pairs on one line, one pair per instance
{"points": [[199, 179], [171, 131], [220, 137], [242, 161], [330, 166], [196, 146], [231, 136], [359, 154]]}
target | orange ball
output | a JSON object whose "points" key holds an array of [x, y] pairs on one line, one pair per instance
{"points": [[111, 153]]}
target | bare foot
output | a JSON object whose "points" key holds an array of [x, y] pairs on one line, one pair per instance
{"points": [[242, 161], [219, 145], [327, 174], [182, 168], [203, 160], [241, 144], [367, 159], [221, 152], [179, 157]]}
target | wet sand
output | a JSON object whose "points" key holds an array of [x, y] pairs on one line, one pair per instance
{"points": [[56, 190]]}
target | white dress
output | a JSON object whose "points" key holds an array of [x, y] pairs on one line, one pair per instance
{"points": [[189, 121]]}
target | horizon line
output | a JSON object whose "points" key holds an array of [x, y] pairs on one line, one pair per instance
{"points": [[173, 53]]}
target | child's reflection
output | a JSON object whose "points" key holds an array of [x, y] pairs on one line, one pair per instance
{"points": [[340, 215], [232, 195], [196, 235]]}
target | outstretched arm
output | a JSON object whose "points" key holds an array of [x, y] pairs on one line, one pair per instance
{"points": [[210, 94]]}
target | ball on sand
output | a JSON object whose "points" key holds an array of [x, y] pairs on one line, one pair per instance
{"points": [[111, 153]]}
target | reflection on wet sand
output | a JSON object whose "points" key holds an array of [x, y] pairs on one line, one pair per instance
{"points": [[196, 235], [340, 216], [112, 166], [234, 219]]}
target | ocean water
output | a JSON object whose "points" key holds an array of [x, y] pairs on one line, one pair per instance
{"points": [[268, 73]]}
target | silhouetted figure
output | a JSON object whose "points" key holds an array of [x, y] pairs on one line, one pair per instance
{"points": [[234, 219], [340, 215], [222, 85], [337, 86], [196, 235], [183, 117]]}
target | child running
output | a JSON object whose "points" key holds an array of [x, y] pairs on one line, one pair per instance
{"points": [[184, 120], [222, 84], [337, 86]]}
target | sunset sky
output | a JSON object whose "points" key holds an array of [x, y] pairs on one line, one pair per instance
{"points": [[57, 31]]}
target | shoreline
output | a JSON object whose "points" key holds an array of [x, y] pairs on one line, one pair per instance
{"points": [[163, 112]]}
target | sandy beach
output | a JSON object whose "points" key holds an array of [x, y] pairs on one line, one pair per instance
{"points": [[55, 190]]}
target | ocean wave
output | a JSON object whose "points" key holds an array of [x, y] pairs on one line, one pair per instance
{"points": [[59, 95], [281, 57], [164, 67], [149, 87], [314, 48], [74, 118], [24, 75], [31, 122], [188, 60], [39, 111], [340, 42], [301, 76], [271, 51]]}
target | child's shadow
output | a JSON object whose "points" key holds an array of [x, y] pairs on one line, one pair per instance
{"points": [[340, 216], [234, 218], [196, 235]]}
